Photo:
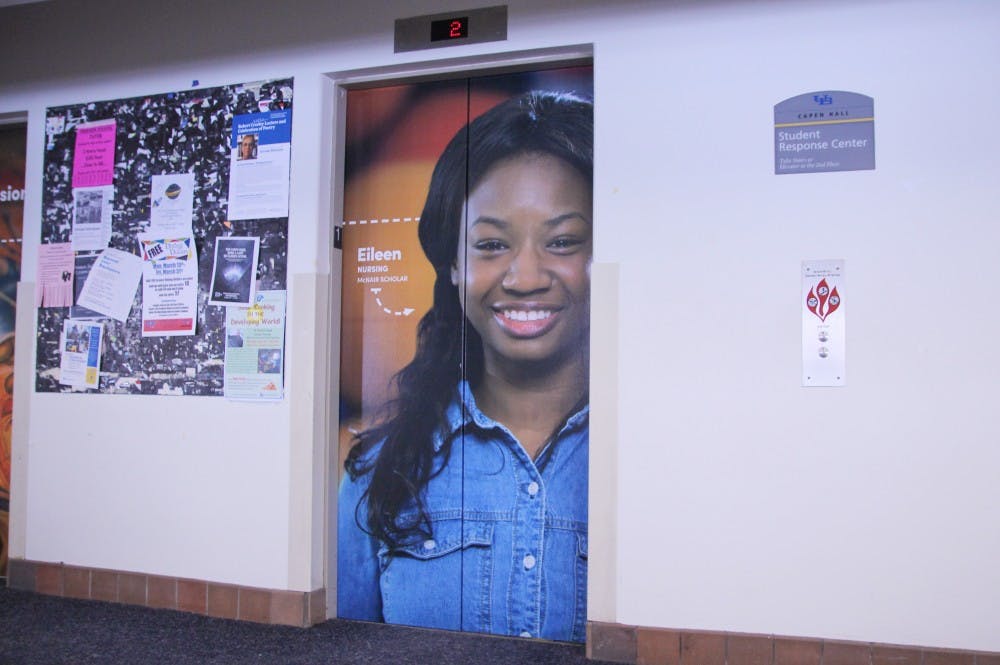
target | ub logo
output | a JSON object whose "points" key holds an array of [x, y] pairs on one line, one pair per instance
{"points": [[823, 100]]}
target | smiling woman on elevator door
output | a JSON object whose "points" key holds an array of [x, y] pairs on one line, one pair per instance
{"points": [[466, 507]]}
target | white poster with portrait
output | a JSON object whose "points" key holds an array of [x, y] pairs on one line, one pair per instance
{"points": [[259, 165]]}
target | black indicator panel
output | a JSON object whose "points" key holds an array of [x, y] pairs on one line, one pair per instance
{"points": [[450, 28], [469, 26]]}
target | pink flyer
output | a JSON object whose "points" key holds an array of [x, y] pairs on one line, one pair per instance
{"points": [[94, 156]]}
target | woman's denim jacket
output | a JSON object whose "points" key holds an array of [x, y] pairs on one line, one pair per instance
{"points": [[508, 550]]}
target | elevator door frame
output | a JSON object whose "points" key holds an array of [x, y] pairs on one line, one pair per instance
{"points": [[335, 94]]}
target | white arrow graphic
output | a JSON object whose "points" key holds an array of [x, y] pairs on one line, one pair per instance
{"points": [[406, 311]]}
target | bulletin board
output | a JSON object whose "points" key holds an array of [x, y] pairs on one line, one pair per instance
{"points": [[187, 132]]}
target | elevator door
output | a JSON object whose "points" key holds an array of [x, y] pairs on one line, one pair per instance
{"points": [[467, 237]]}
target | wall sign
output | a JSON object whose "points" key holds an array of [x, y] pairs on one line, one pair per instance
{"points": [[823, 325], [824, 131], [466, 26]]}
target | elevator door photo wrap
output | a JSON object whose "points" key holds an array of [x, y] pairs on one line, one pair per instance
{"points": [[467, 243]]}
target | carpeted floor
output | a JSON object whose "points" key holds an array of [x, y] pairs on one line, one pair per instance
{"points": [[43, 630]]}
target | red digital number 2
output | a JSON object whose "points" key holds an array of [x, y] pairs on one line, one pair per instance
{"points": [[456, 29]]}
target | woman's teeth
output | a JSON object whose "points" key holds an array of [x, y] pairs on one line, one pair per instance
{"points": [[529, 315]]}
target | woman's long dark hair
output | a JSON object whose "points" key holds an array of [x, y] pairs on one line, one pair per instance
{"points": [[540, 122]]}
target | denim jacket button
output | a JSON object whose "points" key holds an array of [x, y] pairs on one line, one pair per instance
{"points": [[529, 562], [532, 488], [429, 544]]}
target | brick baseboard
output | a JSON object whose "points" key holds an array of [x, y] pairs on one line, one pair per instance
{"points": [[226, 601], [655, 646]]}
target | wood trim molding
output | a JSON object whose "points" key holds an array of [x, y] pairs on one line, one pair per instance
{"points": [[226, 601], [660, 646]]}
